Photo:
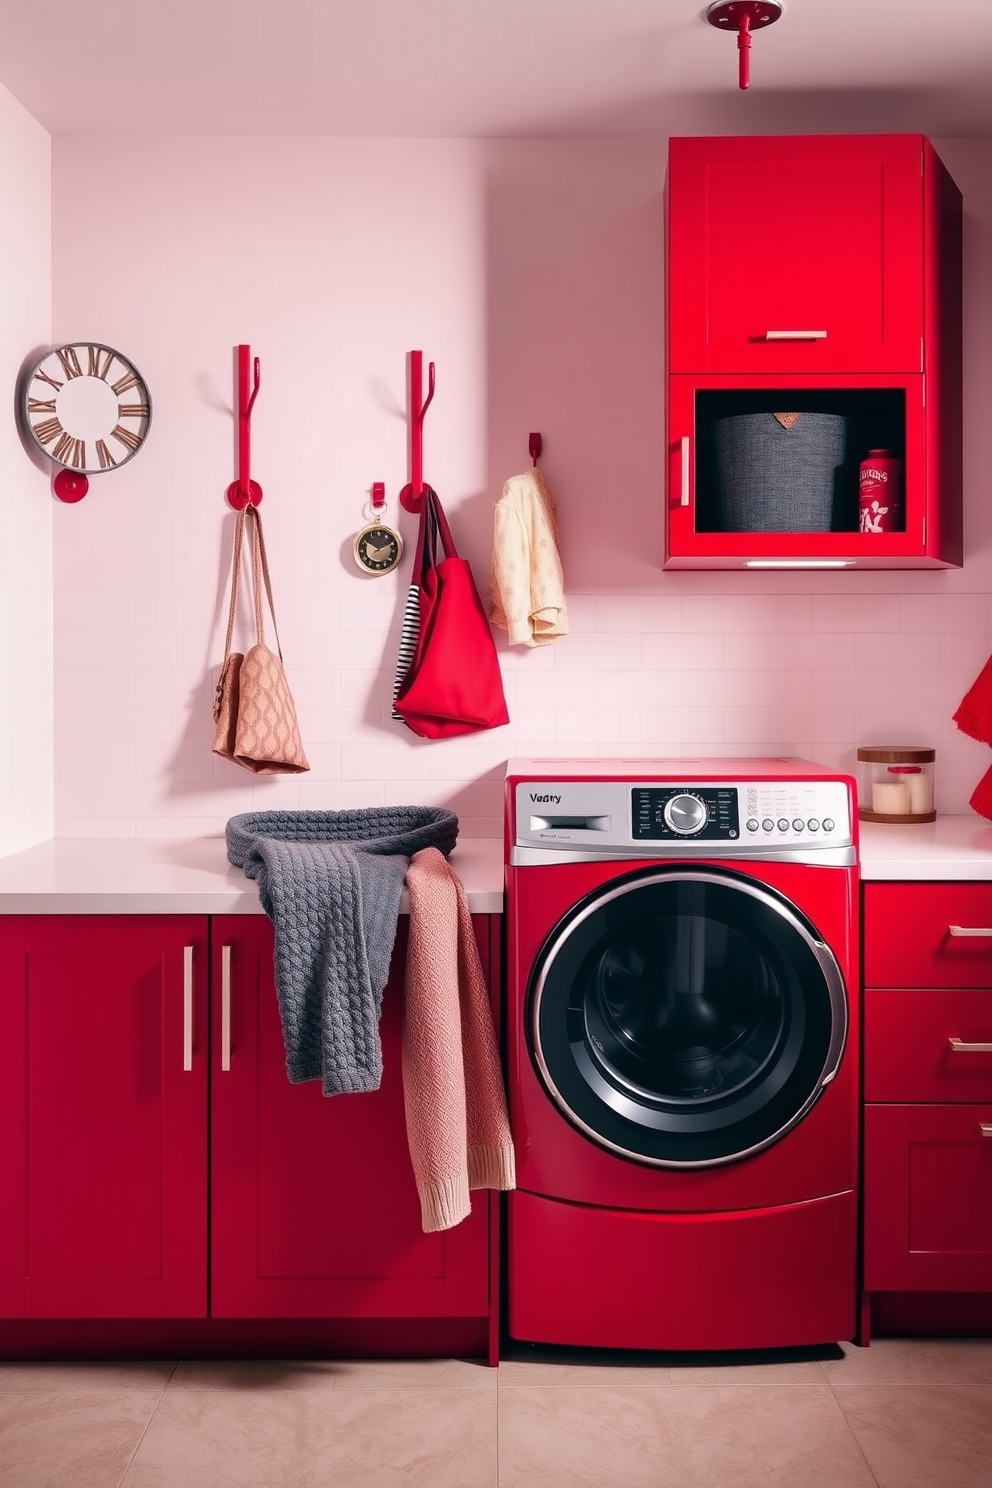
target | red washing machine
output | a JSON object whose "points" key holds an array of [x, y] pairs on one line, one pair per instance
{"points": [[682, 1011]]}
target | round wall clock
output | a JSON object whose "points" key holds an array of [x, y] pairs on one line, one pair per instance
{"points": [[86, 406], [378, 548]]}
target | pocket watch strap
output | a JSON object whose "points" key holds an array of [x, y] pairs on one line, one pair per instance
{"points": [[239, 531]]}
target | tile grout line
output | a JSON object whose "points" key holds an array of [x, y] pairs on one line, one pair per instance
{"points": [[151, 1416], [851, 1430]]}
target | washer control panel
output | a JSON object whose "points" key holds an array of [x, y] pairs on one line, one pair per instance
{"points": [[659, 813], [794, 819]]}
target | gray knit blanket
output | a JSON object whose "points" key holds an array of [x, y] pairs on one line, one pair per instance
{"points": [[330, 882]]}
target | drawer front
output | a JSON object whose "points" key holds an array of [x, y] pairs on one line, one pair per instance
{"points": [[910, 939], [909, 1054], [928, 1199]]}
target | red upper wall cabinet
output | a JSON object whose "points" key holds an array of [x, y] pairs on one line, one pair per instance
{"points": [[797, 254], [813, 278]]}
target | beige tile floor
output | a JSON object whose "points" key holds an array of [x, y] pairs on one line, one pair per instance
{"points": [[902, 1414]]}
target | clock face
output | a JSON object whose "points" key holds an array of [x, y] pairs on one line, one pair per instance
{"points": [[378, 548], [87, 407]]}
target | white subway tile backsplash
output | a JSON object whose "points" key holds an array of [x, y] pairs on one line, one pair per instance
{"points": [[867, 613], [662, 662], [687, 651]]}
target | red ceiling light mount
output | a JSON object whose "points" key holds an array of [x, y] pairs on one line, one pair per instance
{"points": [[743, 16]]}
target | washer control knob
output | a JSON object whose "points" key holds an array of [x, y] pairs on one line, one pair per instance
{"points": [[685, 814]]}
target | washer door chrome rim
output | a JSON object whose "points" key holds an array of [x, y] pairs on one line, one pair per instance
{"points": [[686, 1018]]}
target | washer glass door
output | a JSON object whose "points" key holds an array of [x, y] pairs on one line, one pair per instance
{"points": [[686, 1017]]}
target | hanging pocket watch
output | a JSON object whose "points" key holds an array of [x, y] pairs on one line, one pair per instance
{"points": [[378, 549]]}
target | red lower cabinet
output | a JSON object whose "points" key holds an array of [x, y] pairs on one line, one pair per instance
{"points": [[156, 1162], [928, 1198], [928, 1106], [313, 1203], [103, 1115]]}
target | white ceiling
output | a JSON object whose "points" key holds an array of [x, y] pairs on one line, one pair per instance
{"points": [[493, 67]]}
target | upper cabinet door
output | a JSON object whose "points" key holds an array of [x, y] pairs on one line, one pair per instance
{"points": [[796, 254]]}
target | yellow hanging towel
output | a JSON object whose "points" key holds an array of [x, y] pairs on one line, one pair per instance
{"points": [[525, 578]]}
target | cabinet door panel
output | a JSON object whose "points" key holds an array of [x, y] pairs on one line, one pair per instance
{"points": [[928, 1199], [796, 234], [908, 1051], [315, 1210], [102, 1128], [909, 940], [695, 536]]}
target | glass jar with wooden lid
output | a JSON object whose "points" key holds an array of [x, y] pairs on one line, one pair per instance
{"points": [[895, 784]]}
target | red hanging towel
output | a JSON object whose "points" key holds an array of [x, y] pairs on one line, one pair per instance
{"points": [[981, 799], [974, 714]]}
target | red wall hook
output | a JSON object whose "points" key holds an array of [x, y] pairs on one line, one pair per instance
{"points": [[412, 495], [744, 16], [244, 489], [535, 444]]}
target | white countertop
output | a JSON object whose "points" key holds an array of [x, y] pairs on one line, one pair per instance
{"points": [[138, 875], [951, 847], [135, 875]]}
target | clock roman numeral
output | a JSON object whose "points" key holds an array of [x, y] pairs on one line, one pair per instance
{"points": [[41, 405], [132, 410], [70, 451], [52, 382], [49, 430], [129, 380], [99, 360], [125, 436], [70, 361], [104, 456]]}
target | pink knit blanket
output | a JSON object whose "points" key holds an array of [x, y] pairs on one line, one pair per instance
{"points": [[456, 1117]]}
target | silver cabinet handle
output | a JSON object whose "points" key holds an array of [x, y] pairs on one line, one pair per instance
{"points": [[685, 470], [225, 1007], [187, 1007], [795, 335], [960, 1047], [985, 1127], [970, 930]]}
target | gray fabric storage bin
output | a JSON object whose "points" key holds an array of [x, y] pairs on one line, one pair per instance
{"points": [[773, 479]]}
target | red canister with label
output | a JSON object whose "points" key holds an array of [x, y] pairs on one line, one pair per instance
{"points": [[880, 492]]}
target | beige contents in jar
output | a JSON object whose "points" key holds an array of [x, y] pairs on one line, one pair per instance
{"points": [[908, 791]]}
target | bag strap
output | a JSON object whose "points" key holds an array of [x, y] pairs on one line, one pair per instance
{"points": [[441, 525], [239, 532], [260, 574]]}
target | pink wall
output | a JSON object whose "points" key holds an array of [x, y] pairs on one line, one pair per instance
{"points": [[531, 273], [26, 803]]}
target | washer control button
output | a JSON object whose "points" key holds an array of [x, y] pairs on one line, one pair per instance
{"points": [[685, 814], [752, 825], [828, 824], [813, 824], [768, 825], [783, 825], [797, 825]]}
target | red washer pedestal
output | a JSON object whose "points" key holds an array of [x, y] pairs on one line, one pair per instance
{"points": [[604, 1279]]}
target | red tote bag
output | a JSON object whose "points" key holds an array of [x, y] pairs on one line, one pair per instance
{"points": [[453, 684]]}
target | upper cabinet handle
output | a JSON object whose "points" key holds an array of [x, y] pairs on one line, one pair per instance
{"points": [[970, 930], [795, 335], [187, 1007], [960, 1047], [685, 471]]}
